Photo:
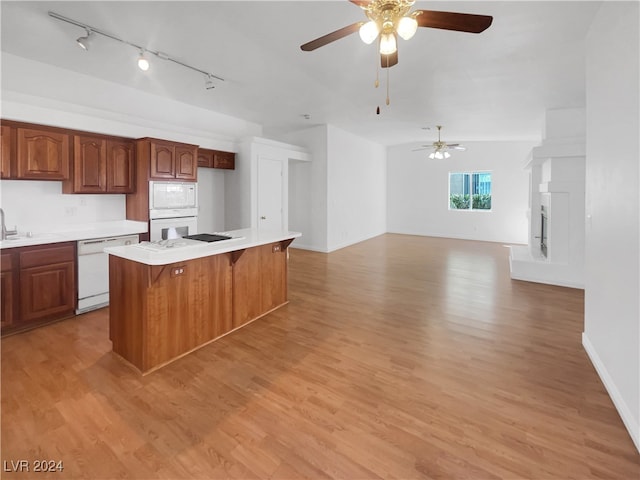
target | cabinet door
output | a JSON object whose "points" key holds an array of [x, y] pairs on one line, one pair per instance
{"points": [[5, 154], [186, 163], [225, 160], [7, 291], [205, 158], [247, 281], [47, 291], [273, 272], [42, 155], [89, 164], [120, 171], [162, 160]]}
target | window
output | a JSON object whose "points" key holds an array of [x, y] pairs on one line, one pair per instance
{"points": [[470, 191]]}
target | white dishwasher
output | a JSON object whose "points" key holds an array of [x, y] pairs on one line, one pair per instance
{"points": [[93, 270]]}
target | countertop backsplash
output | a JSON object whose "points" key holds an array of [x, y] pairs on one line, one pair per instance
{"points": [[40, 206]]}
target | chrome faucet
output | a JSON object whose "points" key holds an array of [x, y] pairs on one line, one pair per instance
{"points": [[6, 232]]}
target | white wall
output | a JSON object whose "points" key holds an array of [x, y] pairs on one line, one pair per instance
{"points": [[339, 198], [40, 206], [612, 312], [308, 190], [211, 190], [357, 192], [40, 93], [418, 189]]}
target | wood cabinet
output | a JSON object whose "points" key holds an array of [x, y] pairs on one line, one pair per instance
{"points": [[8, 278], [101, 165], [38, 285], [120, 166], [42, 154], [226, 160], [158, 313], [216, 159], [6, 152], [259, 281], [170, 160]]}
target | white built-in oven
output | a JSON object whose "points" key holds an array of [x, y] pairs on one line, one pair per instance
{"points": [[173, 210]]}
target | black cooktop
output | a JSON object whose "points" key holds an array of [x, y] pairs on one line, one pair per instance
{"points": [[207, 237]]}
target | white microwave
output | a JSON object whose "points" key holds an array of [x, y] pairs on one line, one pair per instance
{"points": [[173, 195]]}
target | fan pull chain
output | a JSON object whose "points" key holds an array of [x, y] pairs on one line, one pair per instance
{"points": [[387, 80]]}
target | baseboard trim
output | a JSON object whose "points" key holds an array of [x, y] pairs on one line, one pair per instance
{"points": [[623, 410]]}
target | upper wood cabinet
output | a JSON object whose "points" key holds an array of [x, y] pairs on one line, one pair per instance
{"points": [[101, 165], [120, 166], [169, 160], [226, 160], [5, 153], [42, 154], [216, 159], [186, 162]]}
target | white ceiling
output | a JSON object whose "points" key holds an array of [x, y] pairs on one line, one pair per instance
{"points": [[492, 86]]}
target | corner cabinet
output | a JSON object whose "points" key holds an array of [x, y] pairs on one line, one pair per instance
{"points": [[38, 285], [169, 160], [216, 159], [101, 165], [42, 154]]}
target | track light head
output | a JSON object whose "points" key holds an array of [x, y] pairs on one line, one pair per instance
{"points": [[208, 83], [143, 63], [84, 42]]}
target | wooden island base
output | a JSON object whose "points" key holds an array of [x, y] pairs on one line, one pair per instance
{"points": [[159, 313]]}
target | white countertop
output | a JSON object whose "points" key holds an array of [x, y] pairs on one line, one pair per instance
{"points": [[71, 233], [244, 238]]}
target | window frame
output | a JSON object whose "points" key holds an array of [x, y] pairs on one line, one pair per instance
{"points": [[470, 173]]}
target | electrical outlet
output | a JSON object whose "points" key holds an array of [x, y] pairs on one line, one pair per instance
{"points": [[276, 248], [70, 211], [177, 271]]}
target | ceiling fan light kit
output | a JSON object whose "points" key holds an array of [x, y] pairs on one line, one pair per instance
{"points": [[389, 19], [440, 148]]}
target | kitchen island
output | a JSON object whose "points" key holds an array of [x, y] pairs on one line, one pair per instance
{"points": [[168, 302]]}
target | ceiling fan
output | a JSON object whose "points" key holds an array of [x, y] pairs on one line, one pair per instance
{"points": [[389, 19], [440, 148]]}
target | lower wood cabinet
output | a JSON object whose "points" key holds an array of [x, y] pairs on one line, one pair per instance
{"points": [[259, 281], [158, 313], [38, 285], [8, 277]]}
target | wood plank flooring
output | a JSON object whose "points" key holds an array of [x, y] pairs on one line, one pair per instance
{"points": [[399, 357]]}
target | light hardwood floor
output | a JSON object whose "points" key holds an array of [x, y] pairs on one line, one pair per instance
{"points": [[400, 357]]}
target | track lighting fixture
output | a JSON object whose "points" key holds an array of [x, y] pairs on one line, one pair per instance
{"points": [[143, 61], [84, 42]]}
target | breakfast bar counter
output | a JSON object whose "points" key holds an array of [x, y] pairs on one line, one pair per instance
{"points": [[170, 298]]}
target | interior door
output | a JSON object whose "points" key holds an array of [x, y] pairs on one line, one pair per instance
{"points": [[270, 196]]}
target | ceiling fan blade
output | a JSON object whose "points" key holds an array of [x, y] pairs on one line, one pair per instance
{"points": [[331, 37], [459, 147], [461, 22], [421, 148], [361, 3], [388, 61]]}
